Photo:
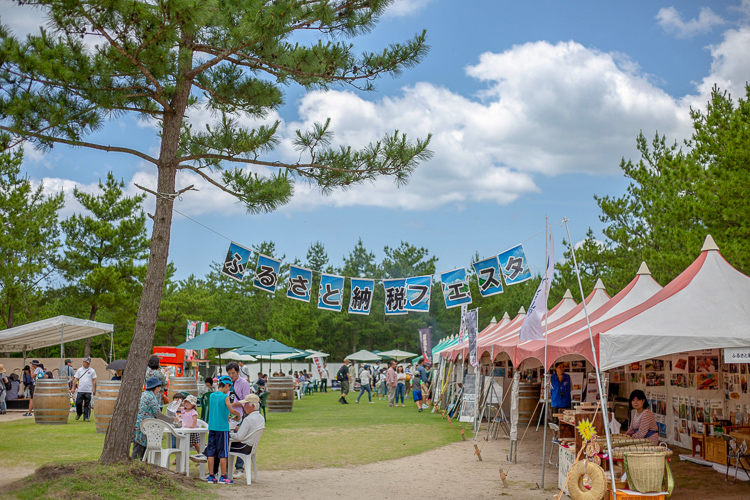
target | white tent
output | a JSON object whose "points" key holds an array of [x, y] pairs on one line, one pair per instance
{"points": [[49, 332], [705, 307]]}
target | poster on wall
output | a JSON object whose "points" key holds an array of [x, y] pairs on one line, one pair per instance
{"points": [[469, 399], [654, 379], [707, 361], [680, 363], [707, 381], [679, 380], [576, 386], [655, 365]]}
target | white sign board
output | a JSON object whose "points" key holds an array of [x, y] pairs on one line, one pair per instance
{"points": [[737, 355]]}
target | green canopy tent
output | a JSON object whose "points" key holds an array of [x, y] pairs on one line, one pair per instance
{"points": [[266, 350], [219, 338]]}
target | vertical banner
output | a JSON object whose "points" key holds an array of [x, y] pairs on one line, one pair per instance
{"points": [[361, 296], [514, 265], [455, 288], [203, 328], [331, 292], [472, 318], [395, 296], [190, 335], [300, 283], [462, 328], [235, 263], [318, 362], [488, 276], [531, 328], [267, 274], [425, 342], [418, 293]]}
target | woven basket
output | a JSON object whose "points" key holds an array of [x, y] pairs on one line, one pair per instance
{"points": [[618, 453], [645, 470]]}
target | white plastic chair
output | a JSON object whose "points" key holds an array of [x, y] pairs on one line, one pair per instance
{"points": [[253, 441], [298, 393], [154, 430]]}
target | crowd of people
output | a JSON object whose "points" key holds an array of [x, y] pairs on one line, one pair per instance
{"points": [[392, 382], [233, 417]]}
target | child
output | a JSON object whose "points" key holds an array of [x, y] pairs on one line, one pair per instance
{"points": [[416, 389], [220, 407], [190, 419]]}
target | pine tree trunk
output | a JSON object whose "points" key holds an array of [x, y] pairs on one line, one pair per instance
{"points": [[121, 426]]}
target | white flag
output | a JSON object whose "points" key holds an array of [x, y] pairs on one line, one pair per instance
{"points": [[462, 328], [531, 329]]}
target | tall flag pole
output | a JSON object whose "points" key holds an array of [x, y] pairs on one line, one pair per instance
{"points": [[602, 396], [550, 250]]}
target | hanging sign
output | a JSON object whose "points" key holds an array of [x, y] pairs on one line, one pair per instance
{"points": [[418, 294], [395, 296], [267, 274], [462, 328], [472, 318], [318, 362], [514, 265], [455, 288], [737, 355], [488, 276], [300, 283], [425, 342], [361, 295], [235, 263], [330, 294]]}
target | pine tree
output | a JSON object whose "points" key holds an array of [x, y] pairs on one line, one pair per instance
{"points": [[28, 238], [161, 59], [105, 250]]}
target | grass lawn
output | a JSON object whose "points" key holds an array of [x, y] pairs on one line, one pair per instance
{"points": [[319, 432]]}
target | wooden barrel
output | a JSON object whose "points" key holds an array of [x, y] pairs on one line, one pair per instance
{"points": [[528, 397], [51, 401], [281, 397], [183, 384], [104, 403]]}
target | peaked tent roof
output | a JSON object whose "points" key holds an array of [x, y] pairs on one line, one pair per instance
{"points": [[49, 332], [640, 289], [705, 307]]}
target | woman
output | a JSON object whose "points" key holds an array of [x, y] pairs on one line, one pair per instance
{"points": [[154, 370], [364, 380], [400, 384], [642, 421], [3, 380], [150, 407], [28, 389]]}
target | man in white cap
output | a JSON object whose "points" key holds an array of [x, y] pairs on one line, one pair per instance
{"points": [[251, 422], [85, 382]]}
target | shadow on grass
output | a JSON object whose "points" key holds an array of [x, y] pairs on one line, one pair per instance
{"points": [[93, 481]]}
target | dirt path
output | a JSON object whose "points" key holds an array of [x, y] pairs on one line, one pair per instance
{"points": [[450, 472]]}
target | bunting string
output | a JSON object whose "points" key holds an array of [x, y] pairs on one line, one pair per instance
{"points": [[402, 295]]}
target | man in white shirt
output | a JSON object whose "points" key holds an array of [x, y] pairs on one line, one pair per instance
{"points": [[85, 383], [242, 439]]}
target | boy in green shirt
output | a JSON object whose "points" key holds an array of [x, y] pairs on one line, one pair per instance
{"points": [[218, 430]]}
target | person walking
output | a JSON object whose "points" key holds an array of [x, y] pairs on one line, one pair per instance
{"points": [[324, 376], [4, 385], [401, 384], [84, 381], [365, 379], [67, 372], [343, 377], [391, 380]]}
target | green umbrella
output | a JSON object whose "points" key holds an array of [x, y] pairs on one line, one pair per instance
{"points": [[266, 349], [219, 338]]}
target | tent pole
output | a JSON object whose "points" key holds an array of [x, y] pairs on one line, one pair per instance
{"points": [[62, 347], [111, 346], [545, 402], [602, 396]]}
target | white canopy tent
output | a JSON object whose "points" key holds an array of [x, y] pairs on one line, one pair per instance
{"points": [[49, 332]]}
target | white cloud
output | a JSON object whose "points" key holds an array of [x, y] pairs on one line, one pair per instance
{"points": [[672, 22], [730, 68], [402, 8]]}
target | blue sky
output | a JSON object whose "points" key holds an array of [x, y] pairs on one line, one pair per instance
{"points": [[531, 104]]}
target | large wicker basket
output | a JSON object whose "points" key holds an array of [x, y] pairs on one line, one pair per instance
{"points": [[645, 470]]}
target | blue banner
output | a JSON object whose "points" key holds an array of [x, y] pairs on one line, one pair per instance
{"points": [[361, 297], [235, 263], [488, 276], [455, 288], [418, 293], [266, 274], [514, 265], [395, 296], [300, 283], [331, 292]]}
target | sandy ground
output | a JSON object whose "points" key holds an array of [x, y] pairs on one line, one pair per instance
{"points": [[13, 415], [452, 471]]}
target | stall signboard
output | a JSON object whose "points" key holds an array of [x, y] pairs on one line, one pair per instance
{"points": [[737, 355], [469, 399]]}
